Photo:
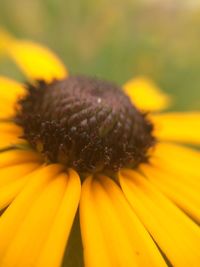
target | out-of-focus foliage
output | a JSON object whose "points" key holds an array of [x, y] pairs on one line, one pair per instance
{"points": [[118, 39]]}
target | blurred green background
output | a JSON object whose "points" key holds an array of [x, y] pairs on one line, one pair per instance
{"points": [[117, 39]]}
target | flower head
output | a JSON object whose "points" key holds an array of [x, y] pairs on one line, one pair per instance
{"points": [[69, 141], [78, 121]]}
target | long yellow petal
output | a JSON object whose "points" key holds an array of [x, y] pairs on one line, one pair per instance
{"points": [[13, 157], [120, 250], [8, 140], [28, 240], [61, 226], [92, 237], [10, 190], [10, 128], [15, 214], [176, 235], [7, 110], [177, 159], [179, 127], [10, 135], [108, 223], [139, 238], [12, 173], [145, 94], [36, 61], [10, 92], [182, 190]]}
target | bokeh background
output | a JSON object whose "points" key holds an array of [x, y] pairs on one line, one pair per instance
{"points": [[115, 40]]}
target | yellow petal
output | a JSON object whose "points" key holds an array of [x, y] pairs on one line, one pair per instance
{"points": [[146, 95], [40, 186], [179, 127], [110, 227], [12, 173], [10, 89], [10, 128], [61, 226], [7, 111], [10, 189], [36, 61], [180, 179], [182, 190], [92, 237], [176, 235], [10, 135], [42, 236], [13, 157], [10, 92], [28, 240], [176, 159], [9, 140]]}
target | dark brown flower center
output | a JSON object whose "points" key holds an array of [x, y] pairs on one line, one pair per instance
{"points": [[85, 123]]}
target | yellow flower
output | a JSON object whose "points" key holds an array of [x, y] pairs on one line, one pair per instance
{"points": [[145, 214]]}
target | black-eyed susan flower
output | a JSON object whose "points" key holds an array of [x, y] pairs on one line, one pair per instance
{"points": [[69, 141]]}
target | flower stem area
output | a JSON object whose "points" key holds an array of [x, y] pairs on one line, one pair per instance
{"points": [[74, 251]]}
